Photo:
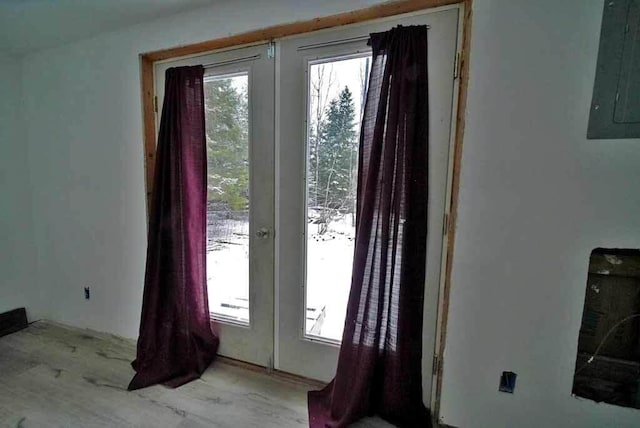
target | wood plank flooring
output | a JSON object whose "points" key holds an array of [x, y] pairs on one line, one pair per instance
{"points": [[57, 376]]}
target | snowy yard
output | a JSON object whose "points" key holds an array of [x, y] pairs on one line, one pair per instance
{"points": [[228, 265], [329, 258]]}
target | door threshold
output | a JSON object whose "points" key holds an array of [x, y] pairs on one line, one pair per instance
{"points": [[278, 374]]}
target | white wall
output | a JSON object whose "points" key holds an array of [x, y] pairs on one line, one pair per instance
{"points": [[536, 197], [82, 103], [16, 238]]}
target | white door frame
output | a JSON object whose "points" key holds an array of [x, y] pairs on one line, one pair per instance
{"points": [[438, 345]]}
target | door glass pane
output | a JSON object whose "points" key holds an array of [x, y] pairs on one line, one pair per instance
{"points": [[227, 126], [335, 104]]}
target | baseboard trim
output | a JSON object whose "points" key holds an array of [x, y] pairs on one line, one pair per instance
{"points": [[13, 321]]}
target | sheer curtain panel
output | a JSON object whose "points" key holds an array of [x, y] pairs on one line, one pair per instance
{"points": [[379, 368], [176, 343]]}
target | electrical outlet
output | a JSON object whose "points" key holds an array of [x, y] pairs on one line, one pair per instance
{"points": [[87, 293], [507, 382]]}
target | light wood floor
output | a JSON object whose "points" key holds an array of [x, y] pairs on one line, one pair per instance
{"points": [[56, 376]]}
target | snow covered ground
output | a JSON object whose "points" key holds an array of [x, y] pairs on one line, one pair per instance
{"points": [[329, 259], [228, 268]]}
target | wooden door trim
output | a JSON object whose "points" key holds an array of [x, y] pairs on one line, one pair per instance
{"points": [[453, 202], [148, 59]]}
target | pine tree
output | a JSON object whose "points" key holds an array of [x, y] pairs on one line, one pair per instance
{"points": [[227, 144], [337, 147]]}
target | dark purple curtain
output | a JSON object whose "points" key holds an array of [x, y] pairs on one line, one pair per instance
{"points": [[176, 343], [379, 369]]}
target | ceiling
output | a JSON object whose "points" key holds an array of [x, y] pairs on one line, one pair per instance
{"points": [[31, 25]]}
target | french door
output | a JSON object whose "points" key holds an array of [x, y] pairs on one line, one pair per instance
{"points": [[239, 120], [282, 150], [321, 85]]}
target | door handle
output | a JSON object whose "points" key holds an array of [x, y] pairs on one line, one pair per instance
{"points": [[263, 233]]}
